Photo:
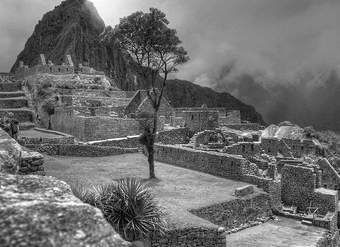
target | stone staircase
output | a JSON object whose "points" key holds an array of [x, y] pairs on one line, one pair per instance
{"points": [[13, 99]]}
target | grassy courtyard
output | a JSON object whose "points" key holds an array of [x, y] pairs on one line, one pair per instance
{"points": [[177, 189]]}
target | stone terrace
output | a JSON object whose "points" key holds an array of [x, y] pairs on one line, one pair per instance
{"points": [[13, 99]]}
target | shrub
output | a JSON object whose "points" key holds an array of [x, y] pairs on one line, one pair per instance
{"points": [[86, 195], [127, 205]]}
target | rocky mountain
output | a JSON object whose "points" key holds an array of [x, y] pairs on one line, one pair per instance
{"points": [[75, 27]]}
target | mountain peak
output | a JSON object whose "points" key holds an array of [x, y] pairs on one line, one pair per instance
{"points": [[70, 28], [74, 28]]}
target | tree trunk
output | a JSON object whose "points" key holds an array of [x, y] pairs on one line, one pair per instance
{"points": [[151, 151], [49, 123], [151, 162]]}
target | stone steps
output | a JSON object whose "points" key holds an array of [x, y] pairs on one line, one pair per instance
{"points": [[17, 102], [13, 94], [13, 99], [22, 114]]}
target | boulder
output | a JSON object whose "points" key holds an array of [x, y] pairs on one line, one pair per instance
{"points": [[42, 211]]}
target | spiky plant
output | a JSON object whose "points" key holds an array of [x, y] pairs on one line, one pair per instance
{"points": [[131, 209], [85, 194]]}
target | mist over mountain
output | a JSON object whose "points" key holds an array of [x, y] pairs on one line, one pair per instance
{"points": [[311, 97]]}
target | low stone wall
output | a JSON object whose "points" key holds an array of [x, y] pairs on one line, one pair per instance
{"points": [[245, 126], [81, 150], [198, 237], [234, 213], [243, 148], [174, 136], [41, 211], [14, 159], [218, 164], [59, 139]]}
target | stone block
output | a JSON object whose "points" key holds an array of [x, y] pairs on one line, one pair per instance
{"points": [[244, 191]]}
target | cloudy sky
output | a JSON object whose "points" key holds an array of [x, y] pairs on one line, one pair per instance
{"points": [[274, 39], [276, 36]]}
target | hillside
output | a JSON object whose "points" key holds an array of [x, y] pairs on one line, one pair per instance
{"points": [[74, 27]]}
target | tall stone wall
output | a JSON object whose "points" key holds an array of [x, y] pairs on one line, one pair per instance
{"points": [[299, 188], [201, 120], [93, 128]]}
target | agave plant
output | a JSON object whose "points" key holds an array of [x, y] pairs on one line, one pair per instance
{"points": [[85, 194], [128, 205], [131, 209]]}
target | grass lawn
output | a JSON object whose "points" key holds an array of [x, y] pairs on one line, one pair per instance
{"points": [[282, 233], [177, 189]]}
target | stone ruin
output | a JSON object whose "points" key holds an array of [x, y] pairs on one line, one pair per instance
{"points": [[67, 67]]}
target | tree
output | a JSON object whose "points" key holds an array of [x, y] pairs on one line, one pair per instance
{"points": [[49, 107], [156, 49]]}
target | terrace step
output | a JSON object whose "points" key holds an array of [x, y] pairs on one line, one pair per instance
{"points": [[13, 94], [22, 114], [10, 86], [17, 102]]}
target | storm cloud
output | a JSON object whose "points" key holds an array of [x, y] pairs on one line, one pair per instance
{"points": [[252, 49]]}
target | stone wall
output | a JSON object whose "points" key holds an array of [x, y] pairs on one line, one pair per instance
{"points": [[233, 117], [245, 126], [330, 177], [81, 150], [234, 213], [41, 211], [218, 164], [193, 236], [59, 139], [207, 136], [169, 137], [201, 120], [93, 128], [299, 188], [289, 147], [243, 148], [50, 69], [14, 159]]}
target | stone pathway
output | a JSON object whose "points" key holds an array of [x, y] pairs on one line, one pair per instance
{"points": [[13, 99]]}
